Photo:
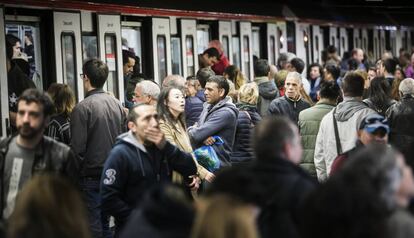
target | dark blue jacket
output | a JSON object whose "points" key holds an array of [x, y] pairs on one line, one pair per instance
{"points": [[132, 169], [247, 119], [193, 109]]}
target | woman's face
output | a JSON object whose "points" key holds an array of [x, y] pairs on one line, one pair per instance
{"points": [[176, 102], [398, 74]]}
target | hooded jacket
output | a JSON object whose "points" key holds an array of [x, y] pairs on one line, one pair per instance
{"points": [[349, 115], [216, 120], [290, 108], [132, 168], [267, 92]]}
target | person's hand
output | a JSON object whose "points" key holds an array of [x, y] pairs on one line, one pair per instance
{"points": [[195, 184], [155, 135], [210, 177], [209, 141]]}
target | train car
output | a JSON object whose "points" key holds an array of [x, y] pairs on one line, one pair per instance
{"points": [[63, 34]]}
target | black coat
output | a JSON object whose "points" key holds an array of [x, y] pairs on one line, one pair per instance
{"points": [[285, 187], [248, 117], [400, 116], [193, 109], [284, 106]]}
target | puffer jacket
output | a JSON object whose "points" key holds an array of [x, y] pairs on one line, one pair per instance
{"points": [[267, 92], [400, 116], [309, 121], [193, 109], [349, 115], [50, 156], [285, 106], [216, 120], [247, 119]]}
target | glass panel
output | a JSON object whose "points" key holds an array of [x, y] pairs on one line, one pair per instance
{"points": [[203, 37], [189, 54], [89, 48], [236, 52], [317, 43], [225, 44], [69, 60], [110, 59], [246, 52], [29, 35], [272, 43], [281, 38], [176, 55], [162, 58], [333, 40], [256, 42], [131, 40]]}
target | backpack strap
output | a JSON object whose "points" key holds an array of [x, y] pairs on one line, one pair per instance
{"points": [[337, 139]]}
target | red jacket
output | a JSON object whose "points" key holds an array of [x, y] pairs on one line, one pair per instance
{"points": [[220, 66]]}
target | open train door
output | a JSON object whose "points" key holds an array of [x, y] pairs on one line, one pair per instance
{"points": [[246, 50], [189, 47], [68, 50], [4, 109], [225, 35], [271, 43], [110, 52], [317, 43], [161, 48]]}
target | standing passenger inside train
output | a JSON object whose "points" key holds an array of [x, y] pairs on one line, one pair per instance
{"points": [[223, 61], [208, 58], [314, 75], [292, 103], [17, 81], [30, 152], [128, 63], [141, 159], [219, 118], [64, 101], [267, 87], [95, 123], [202, 76]]}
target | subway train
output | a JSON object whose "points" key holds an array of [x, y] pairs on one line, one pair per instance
{"points": [[63, 34]]}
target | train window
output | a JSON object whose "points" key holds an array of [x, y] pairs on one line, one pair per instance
{"points": [[203, 38], [333, 40], [281, 38], [29, 35], [110, 58], [246, 52], [131, 40], [90, 48], [225, 44], [162, 57], [189, 45], [69, 60], [176, 55], [343, 42], [365, 45], [236, 52], [272, 56], [256, 41]]}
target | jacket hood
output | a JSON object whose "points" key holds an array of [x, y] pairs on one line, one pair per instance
{"points": [[226, 102], [129, 138], [348, 108], [267, 89]]}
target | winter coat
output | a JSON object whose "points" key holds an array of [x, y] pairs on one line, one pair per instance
{"points": [[132, 168], [400, 117], [371, 104], [285, 106], [267, 92], [50, 156], [349, 115], [216, 120], [285, 187], [314, 90], [309, 121], [95, 123], [247, 119], [59, 129], [193, 109]]}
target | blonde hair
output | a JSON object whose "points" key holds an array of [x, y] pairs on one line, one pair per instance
{"points": [[223, 217], [49, 206], [63, 98], [249, 93]]}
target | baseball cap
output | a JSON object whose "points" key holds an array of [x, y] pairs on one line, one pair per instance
{"points": [[373, 122]]}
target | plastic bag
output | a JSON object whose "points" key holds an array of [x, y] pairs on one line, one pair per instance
{"points": [[207, 156]]}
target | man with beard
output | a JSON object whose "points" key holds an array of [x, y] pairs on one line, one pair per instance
{"points": [[140, 159], [30, 152]]}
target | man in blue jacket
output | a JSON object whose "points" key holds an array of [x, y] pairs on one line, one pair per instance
{"points": [[140, 159]]}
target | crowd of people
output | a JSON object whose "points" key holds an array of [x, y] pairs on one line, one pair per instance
{"points": [[326, 154]]}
